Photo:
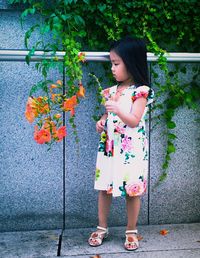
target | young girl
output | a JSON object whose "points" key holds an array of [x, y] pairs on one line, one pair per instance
{"points": [[122, 160]]}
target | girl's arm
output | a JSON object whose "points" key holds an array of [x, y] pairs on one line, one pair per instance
{"points": [[100, 124], [131, 119]]}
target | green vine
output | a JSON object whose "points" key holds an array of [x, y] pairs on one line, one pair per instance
{"points": [[167, 26]]}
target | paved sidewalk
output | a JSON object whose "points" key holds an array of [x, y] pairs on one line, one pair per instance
{"points": [[183, 240]]}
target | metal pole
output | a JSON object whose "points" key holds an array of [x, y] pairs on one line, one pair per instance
{"points": [[149, 153], [20, 55], [64, 175]]}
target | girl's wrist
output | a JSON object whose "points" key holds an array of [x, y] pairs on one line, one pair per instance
{"points": [[102, 120], [104, 116]]}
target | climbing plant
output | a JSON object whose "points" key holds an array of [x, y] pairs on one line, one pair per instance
{"points": [[73, 25]]}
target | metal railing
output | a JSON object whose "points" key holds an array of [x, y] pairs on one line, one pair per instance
{"points": [[20, 55]]}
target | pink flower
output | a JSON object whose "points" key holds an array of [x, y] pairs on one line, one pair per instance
{"points": [[106, 94], [135, 189], [109, 146], [126, 144], [119, 129]]}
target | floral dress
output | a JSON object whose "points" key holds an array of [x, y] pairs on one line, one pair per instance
{"points": [[122, 159]]}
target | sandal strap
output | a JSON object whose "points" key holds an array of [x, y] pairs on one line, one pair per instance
{"points": [[97, 237], [131, 245], [134, 231], [103, 229]]}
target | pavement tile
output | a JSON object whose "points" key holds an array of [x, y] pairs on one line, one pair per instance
{"points": [[182, 240]]}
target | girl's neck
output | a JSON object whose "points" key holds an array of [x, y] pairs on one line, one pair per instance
{"points": [[126, 83]]}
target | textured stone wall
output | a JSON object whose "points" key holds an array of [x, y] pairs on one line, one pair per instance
{"points": [[31, 178]]}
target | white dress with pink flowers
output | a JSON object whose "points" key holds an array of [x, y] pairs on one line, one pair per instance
{"points": [[122, 159]]}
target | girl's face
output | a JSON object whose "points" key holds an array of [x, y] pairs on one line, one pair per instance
{"points": [[118, 68]]}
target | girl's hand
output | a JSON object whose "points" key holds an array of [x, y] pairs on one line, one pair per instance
{"points": [[112, 106], [100, 125]]}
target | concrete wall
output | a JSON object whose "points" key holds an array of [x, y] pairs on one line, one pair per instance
{"points": [[31, 178]]}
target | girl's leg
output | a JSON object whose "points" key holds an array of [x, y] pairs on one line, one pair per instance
{"points": [[133, 209], [104, 203]]}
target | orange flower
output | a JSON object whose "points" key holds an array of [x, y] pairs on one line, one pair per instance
{"points": [[61, 133], [50, 126], [72, 112], [81, 91], [43, 109], [47, 119], [37, 106], [42, 136], [31, 112], [57, 116], [39, 99], [59, 82], [81, 57], [69, 104], [53, 86], [164, 232], [53, 96]]}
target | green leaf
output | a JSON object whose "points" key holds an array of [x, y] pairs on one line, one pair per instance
{"points": [[167, 158], [27, 11], [42, 85], [172, 136], [169, 113], [163, 177], [66, 17], [29, 33], [171, 125], [45, 28], [68, 1], [170, 148], [28, 57], [101, 7], [79, 20], [12, 1]]}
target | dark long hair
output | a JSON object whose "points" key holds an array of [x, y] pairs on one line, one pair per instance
{"points": [[134, 55]]}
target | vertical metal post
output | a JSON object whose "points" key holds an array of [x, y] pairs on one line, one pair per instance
{"points": [[64, 175], [64, 151], [149, 153]]}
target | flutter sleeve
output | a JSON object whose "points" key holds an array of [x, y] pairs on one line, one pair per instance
{"points": [[145, 92]]}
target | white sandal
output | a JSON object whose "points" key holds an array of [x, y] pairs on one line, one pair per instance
{"points": [[131, 242], [97, 237]]}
